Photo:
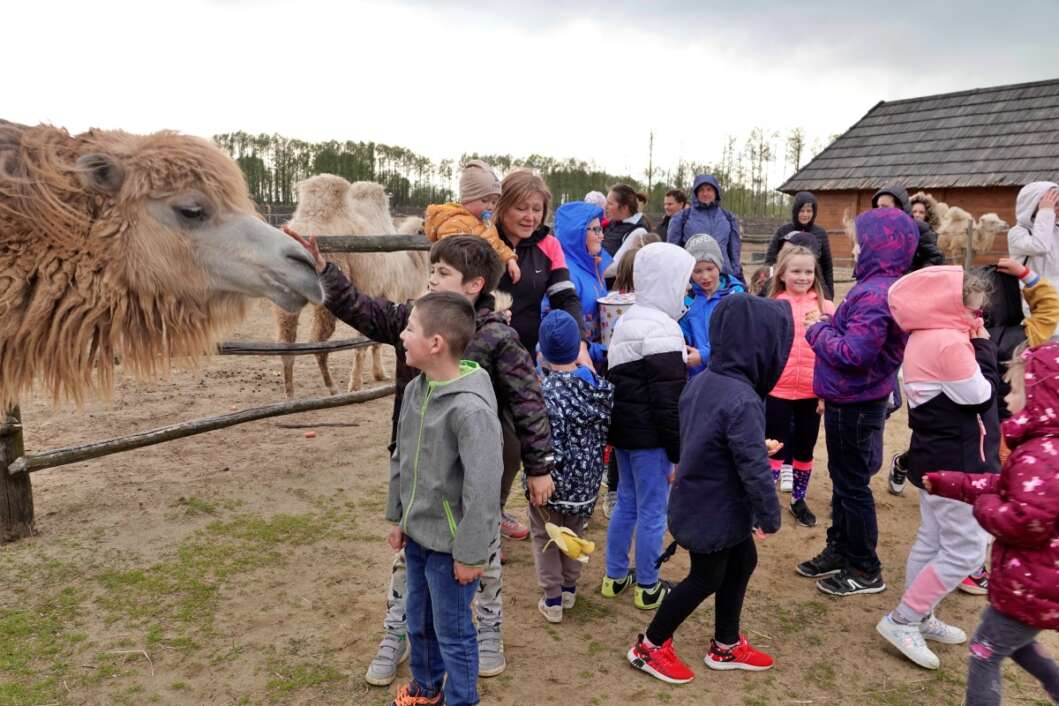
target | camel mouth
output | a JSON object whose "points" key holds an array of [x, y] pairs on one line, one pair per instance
{"points": [[296, 285]]}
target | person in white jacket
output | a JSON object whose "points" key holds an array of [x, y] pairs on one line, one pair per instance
{"points": [[1034, 241]]}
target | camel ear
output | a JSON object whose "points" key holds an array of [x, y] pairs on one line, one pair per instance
{"points": [[101, 172]]}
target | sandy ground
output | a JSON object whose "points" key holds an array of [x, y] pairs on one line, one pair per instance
{"points": [[248, 566]]}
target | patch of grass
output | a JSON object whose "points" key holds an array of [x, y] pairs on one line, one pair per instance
{"points": [[32, 646], [595, 648], [588, 610], [196, 506], [793, 618], [822, 674], [288, 678]]}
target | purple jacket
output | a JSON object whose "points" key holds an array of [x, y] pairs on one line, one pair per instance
{"points": [[860, 348]]}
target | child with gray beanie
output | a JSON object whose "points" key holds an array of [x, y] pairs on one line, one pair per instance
{"points": [[479, 194], [709, 285]]}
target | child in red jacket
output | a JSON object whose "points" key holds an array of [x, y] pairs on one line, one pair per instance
{"points": [[1020, 508]]}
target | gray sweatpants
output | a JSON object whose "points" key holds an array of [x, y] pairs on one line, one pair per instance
{"points": [[997, 638], [554, 569], [949, 546], [488, 605]]}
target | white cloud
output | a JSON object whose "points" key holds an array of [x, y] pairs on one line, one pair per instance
{"points": [[561, 79]]}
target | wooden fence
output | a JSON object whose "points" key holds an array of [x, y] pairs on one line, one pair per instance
{"points": [[16, 490]]}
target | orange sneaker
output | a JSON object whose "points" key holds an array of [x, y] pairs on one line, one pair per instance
{"points": [[742, 656], [412, 694]]}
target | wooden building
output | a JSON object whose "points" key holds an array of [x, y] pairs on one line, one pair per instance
{"points": [[972, 149]]}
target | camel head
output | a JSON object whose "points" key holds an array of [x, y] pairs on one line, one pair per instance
{"points": [[189, 226], [139, 246]]}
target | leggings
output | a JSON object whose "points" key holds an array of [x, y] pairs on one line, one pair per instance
{"points": [[795, 423], [725, 573], [997, 638]]}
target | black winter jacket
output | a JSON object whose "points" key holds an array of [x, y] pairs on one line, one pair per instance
{"points": [[494, 346], [827, 267], [949, 437], [723, 487], [544, 274]]}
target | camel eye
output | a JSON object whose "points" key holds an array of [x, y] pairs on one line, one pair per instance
{"points": [[191, 213]]}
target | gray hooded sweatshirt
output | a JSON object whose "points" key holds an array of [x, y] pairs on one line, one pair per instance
{"points": [[445, 472]]}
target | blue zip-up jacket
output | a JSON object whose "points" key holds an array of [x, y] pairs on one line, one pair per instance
{"points": [[696, 322], [712, 220], [723, 486], [571, 219]]}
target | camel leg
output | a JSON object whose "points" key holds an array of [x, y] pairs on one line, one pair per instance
{"points": [[377, 371], [287, 332], [323, 327], [356, 378]]}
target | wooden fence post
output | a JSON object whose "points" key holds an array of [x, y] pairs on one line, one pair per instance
{"points": [[16, 491]]}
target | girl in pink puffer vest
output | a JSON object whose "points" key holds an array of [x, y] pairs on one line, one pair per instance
{"points": [[1020, 508], [792, 411]]}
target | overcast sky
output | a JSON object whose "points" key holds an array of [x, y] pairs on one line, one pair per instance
{"points": [[554, 77]]}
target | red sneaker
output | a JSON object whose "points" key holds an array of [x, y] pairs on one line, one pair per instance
{"points": [[977, 584], [742, 656], [414, 695], [660, 662], [512, 528]]}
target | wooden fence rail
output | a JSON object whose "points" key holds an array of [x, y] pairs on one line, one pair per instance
{"points": [[83, 452]]}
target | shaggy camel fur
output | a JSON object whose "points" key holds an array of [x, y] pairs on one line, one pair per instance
{"points": [[330, 205], [142, 247], [954, 229]]}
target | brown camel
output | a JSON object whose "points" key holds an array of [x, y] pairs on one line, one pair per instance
{"points": [[142, 247]]}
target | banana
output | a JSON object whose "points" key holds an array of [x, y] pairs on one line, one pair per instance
{"points": [[568, 542]]}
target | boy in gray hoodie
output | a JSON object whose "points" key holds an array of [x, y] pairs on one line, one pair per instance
{"points": [[445, 496]]}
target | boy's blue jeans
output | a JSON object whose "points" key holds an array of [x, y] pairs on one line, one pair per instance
{"points": [[643, 496], [854, 454], [443, 638]]}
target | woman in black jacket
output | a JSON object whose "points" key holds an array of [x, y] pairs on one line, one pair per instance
{"points": [[803, 218]]}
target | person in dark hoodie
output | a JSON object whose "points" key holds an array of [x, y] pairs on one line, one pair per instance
{"points": [[927, 252], [858, 351], [707, 216], [723, 475], [803, 218]]}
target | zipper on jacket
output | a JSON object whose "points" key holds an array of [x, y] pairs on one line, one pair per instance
{"points": [[449, 517], [415, 462]]}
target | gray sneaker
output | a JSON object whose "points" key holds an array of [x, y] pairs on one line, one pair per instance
{"points": [[393, 650], [491, 660], [610, 500]]}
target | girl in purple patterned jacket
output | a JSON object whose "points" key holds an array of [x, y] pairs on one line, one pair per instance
{"points": [[858, 351]]}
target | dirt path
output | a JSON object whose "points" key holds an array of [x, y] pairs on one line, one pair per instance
{"points": [[248, 566]]}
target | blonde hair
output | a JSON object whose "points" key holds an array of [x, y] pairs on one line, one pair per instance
{"points": [[788, 253], [517, 186]]}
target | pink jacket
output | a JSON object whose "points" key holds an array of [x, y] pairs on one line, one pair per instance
{"points": [[1020, 507], [796, 382]]}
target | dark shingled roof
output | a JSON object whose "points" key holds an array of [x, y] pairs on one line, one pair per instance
{"points": [[1001, 136]]}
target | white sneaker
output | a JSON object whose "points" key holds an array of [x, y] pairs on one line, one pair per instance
{"points": [[610, 500], [551, 613], [569, 600], [933, 628], [909, 641], [393, 650], [786, 478]]}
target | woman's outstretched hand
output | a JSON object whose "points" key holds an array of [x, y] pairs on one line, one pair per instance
{"points": [[310, 245]]}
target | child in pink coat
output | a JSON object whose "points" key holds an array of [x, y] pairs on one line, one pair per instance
{"points": [[792, 410], [1020, 508]]}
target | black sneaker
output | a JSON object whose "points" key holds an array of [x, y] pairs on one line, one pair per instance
{"points": [[850, 581], [802, 514], [898, 476], [825, 563]]}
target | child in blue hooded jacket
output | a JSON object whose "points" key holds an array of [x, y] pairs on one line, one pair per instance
{"points": [[723, 491], [578, 230], [709, 285]]}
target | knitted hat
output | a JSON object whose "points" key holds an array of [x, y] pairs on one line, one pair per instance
{"points": [[800, 237], [705, 249], [559, 337], [596, 198], [477, 181]]}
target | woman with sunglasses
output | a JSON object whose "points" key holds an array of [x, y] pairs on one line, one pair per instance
{"points": [[578, 229]]}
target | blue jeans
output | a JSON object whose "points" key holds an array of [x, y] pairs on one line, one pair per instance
{"points": [[854, 454], [643, 496], [443, 638]]}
